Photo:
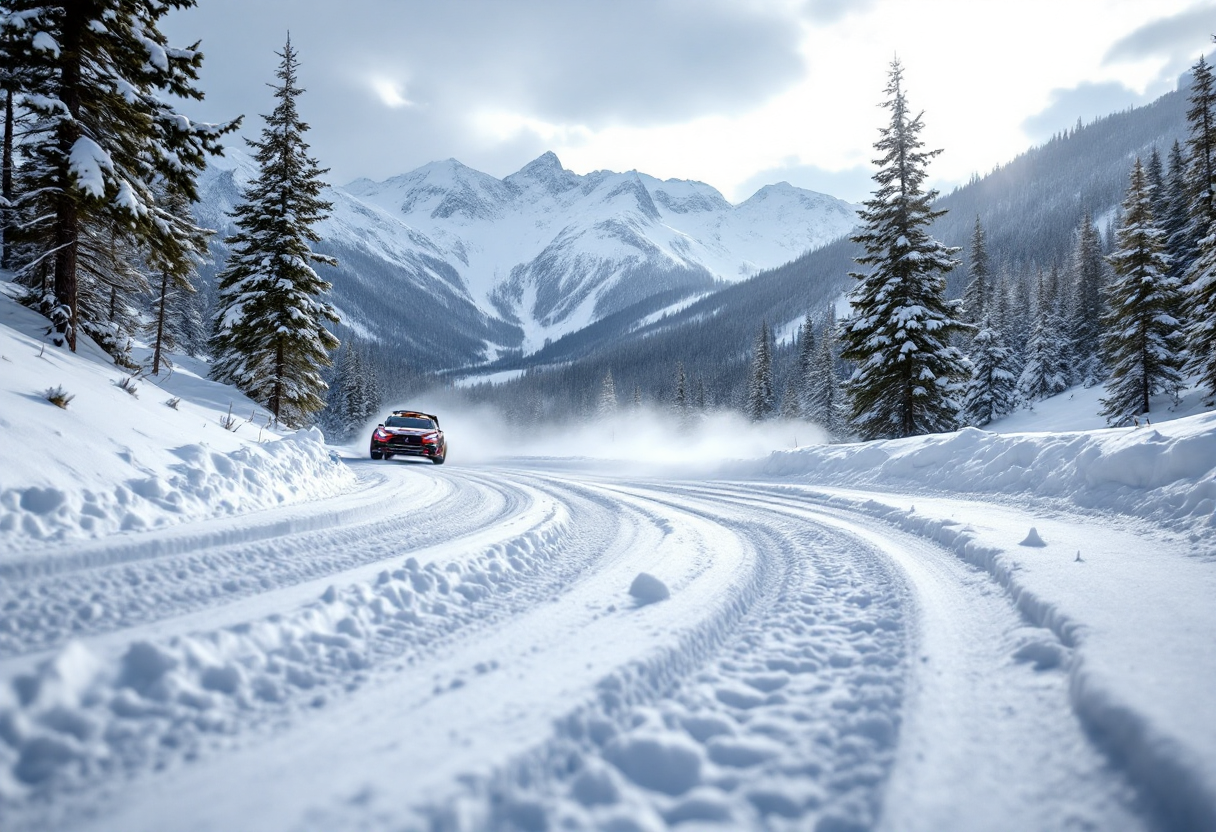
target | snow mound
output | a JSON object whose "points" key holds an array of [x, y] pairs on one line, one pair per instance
{"points": [[648, 589], [1032, 539], [1165, 473]]}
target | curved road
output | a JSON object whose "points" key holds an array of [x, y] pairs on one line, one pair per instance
{"points": [[458, 648]]}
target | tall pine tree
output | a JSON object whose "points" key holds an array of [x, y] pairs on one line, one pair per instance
{"points": [[760, 394], [606, 405], [1142, 339], [104, 134], [992, 391], [976, 295], [907, 374], [1046, 370], [1200, 276], [270, 339], [825, 405], [1088, 272]]}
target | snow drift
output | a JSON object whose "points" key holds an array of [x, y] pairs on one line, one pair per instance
{"points": [[1165, 473]]}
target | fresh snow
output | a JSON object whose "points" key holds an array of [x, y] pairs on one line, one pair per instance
{"points": [[114, 461], [615, 628]]}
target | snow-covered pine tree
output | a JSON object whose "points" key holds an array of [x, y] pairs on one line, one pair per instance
{"points": [[1175, 222], [270, 339], [175, 320], [1088, 272], [1142, 338], [1201, 150], [606, 405], [805, 365], [907, 374], [679, 399], [104, 133], [1044, 372], [791, 409], [826, 404], [992, 391], [1154, 172], [637, 397], [976, 295], [760, 395], [1199, 279]]}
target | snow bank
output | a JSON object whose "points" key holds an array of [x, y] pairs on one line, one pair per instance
{"points": [[204, 484], [155, 452], [1165, 473]]}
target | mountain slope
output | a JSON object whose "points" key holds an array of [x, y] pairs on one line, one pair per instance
{"points": [[449, 267]]}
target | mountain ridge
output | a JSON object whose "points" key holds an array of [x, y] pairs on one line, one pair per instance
{"points": [[458, 267]]}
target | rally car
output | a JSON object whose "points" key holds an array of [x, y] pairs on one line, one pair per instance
{"points": [[409, 433]]}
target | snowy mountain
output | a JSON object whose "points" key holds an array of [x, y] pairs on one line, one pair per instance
{"points": [[446, 259]]}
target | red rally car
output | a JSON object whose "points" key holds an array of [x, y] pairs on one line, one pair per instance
{"points": [[409, 433]]}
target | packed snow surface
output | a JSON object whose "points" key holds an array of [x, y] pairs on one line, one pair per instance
{"points": [[832, 637]]}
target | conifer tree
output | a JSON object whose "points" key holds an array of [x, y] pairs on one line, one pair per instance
{"points": [[175, 318], [976, 295], [1154, 172], [1088, 270], [1200, 275], [1045, 371], [992, 391], [104, 133], [679, 400], [760, 395], [354, 396], [637, 397], [907, 374], [1201, 147], [606, 405], [1175, 222], [826, 403], [270, 339], [1142, 340], [791, 409], [805, 366]]}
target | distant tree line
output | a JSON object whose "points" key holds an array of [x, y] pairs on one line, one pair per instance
{"points": [[1131, 309]]}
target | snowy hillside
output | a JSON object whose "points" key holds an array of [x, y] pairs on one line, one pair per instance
{"points": [[540, 253], [115, 461]]}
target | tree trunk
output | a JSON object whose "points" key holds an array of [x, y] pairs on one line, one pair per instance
{"points": [[6, 183], [276, 397], [67, 213], [160, 321]]}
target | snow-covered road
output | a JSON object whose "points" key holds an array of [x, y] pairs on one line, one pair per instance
{"points": [[458, 648]]}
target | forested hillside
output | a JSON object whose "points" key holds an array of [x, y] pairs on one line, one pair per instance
{"points": [[1030, 210]]}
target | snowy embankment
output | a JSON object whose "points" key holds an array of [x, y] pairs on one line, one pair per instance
{"points": [[1165, 473], [127, 459], [1119, 566]]}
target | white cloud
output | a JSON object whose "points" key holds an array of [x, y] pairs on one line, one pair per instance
{"points": [[391, 93]]}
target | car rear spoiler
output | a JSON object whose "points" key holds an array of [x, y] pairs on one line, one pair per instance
{"points": [[407, 412]]}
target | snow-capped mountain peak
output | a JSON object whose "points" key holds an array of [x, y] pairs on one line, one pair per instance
{"points": [[545, 251]]}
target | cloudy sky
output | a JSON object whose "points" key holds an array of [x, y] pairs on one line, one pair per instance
{"points": [[736, 93]]}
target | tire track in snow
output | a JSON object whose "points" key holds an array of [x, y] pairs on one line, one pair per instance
{"points": [[90, 718], [991, 741], [181, 571], [782, 714]]}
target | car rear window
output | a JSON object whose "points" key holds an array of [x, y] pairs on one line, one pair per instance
{"points": [[408, 422]]}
